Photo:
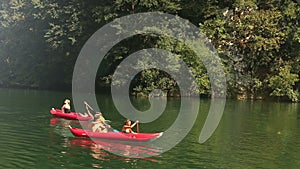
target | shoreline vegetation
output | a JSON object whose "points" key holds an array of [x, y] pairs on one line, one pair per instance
{"points": [[258, 43], [143, 95]]}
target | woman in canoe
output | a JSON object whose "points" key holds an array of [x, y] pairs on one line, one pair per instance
{"points": [[98, 124], [66, 108], [127, 128]]}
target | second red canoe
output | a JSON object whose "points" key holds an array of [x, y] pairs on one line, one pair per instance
{"points": [[70, 116]]}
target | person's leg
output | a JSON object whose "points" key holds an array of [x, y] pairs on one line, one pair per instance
{"points": [[95, 127], [83, 115]]}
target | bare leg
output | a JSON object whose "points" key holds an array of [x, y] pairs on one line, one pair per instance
{"points": [[83, 115]]}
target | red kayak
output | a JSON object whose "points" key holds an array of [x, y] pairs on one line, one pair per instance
{"points": [[115, 135], [70, 116]]}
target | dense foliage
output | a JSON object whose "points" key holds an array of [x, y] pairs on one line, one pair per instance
{"points": [[258, 41]]}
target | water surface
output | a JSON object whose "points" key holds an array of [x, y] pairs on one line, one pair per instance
{"points": [[251, 134]]}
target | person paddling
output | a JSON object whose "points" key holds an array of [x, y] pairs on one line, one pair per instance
{"points": [[88, 113], [99, 123], [127, 128]]}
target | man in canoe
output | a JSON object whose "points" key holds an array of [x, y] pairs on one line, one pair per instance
{"points": [[66, 108], [127, 128]]}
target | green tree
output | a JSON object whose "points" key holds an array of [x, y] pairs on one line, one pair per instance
{"points": [[254, 38], [283, 84]]}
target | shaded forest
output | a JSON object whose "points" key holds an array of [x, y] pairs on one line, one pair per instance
{"points": [[257, 40]]}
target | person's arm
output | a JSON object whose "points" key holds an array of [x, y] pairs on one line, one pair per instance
{"points": [[63, 109], [134, 124], [124, 128], [104, 122]]}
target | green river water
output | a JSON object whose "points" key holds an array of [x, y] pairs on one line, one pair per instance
{"points": [[251, 134]]}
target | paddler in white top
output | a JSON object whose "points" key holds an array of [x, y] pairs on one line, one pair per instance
{"points": [[66, 108]]}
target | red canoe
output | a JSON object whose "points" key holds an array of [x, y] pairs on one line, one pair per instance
{"points": [[70, 116], [115, 135]]}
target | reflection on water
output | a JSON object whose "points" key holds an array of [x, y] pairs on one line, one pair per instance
{"points": [[121, 148], [61, 126]]}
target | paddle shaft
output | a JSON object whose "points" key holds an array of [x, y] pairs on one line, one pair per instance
{"points": [[137, 128], [89, 106], [95, 111]]}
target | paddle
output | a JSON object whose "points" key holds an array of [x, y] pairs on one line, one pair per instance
{"points": [[137, 127], [106, 121], [89, 106]]}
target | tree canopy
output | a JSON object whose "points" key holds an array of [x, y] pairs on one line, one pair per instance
{"points": [[257, 40]]}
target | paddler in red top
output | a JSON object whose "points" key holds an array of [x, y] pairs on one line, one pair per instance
{"points": [[127, 128]]}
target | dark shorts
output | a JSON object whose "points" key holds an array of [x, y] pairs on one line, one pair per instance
{"points": [[67, 111]]}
